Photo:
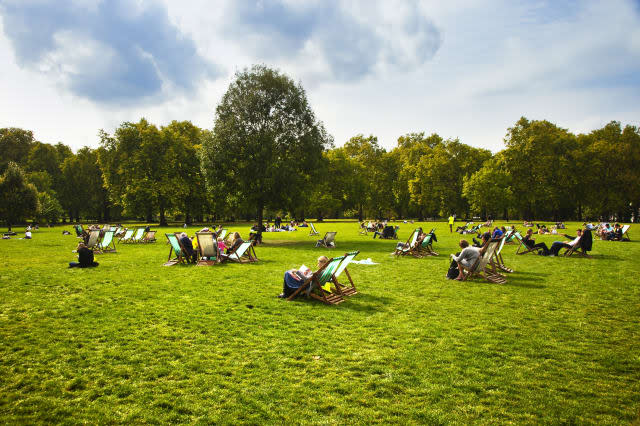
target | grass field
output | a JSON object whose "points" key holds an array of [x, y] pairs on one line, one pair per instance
{"points": [[132, 341]]}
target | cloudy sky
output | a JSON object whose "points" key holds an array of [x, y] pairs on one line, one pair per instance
{"points": [[466, 69]]}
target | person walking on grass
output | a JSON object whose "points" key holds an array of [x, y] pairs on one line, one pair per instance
{"points": [[451, 220]]}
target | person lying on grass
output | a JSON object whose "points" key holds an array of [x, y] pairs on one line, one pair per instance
{"points": [[85, 257], [294, 278], [467, 257]]}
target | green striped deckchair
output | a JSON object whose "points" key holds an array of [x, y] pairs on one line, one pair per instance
{"points": [[175, 247], [137, 238], [126, 238], [108, 243], [314, 285], [410, 248]]}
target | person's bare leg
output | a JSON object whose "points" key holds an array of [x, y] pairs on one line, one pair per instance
{"points": [[460, 274]]}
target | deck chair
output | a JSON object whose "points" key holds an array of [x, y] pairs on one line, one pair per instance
{"points": [[108, 243], [427, 244], [79, 230], [409, 247], [328, 241], [342, 289], [525, 249], [312, 229], [314, 285], [175, 247], [473, 230], [480, 267], [363, 229], [244, 253], [625, 231], [94, 240], [583, 246], [137, 238], [222, 233], [126, 238], [498, 260], [207, 249], [149, 237]]}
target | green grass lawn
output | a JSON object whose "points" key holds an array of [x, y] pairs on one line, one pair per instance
{"points": [[132, 341]]}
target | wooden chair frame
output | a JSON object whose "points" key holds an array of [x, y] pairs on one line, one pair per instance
{"points": [[312, 286], [108, 242], [312, 229]]}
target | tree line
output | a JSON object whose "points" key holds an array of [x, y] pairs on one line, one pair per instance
{"points": [[267, 154]]}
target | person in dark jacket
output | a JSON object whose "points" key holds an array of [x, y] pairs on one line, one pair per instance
{"points": [[531, 243], [85, 258], [187, 245]]}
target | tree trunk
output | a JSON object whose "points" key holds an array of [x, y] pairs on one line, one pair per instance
{"points": [[163, 220], [260, 217], [149, 217], [105, 211], [360, 213], [9, 226]]}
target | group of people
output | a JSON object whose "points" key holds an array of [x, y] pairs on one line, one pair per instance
{"points": [[225, 246], [608, 233]]}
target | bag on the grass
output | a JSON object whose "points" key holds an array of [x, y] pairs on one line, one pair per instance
{"points": [[453, 271]]}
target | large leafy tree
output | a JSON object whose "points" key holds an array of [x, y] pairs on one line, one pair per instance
{"points": [[139, 164], [15, 145], [18, 198], [266, 144]]}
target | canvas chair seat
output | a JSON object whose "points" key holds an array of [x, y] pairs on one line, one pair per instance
{"points": [[314, 285], [108, 243], [126, 238], [410, 248], [149, 237], [244, 253], [328, 241], [208, 253], [480, 266], [342, 267], [177, 249], [312, 229]]}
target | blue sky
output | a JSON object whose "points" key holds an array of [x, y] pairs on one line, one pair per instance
{"points": [[466, 69]]}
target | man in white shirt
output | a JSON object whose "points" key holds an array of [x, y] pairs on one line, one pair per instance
{"points": [[557, 245]]}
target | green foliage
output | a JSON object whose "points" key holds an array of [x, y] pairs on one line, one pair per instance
{"points": [[132, 342], [266, 143], [15, 145], [18, 198], [49, 209]]}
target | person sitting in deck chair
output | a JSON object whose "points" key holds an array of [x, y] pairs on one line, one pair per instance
{"points": [[294, 278], [617, 233], [485, 237], [531, 243], [466, 258], [557, 245], [85, 258], [187, 244], [387, 233], [235, 242]]}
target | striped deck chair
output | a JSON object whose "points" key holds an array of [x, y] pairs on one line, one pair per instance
{"points": [[176, 248], [244, 253], [149, 237], [79, 230], [409, 248], [137, 238], [427, 244], [480, 267], [207, 249], [625, 231], [314, 285], [108, 243], [312, 229], [525, 249], [126, 238], [222, 233], [94, 240], [342, 289], [328, 241], [498, 260]]}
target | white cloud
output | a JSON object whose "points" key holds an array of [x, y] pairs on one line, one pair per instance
{"points": [[575, 64]]}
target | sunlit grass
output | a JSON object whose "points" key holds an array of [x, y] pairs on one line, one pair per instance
{"points": [[131, 341]]}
